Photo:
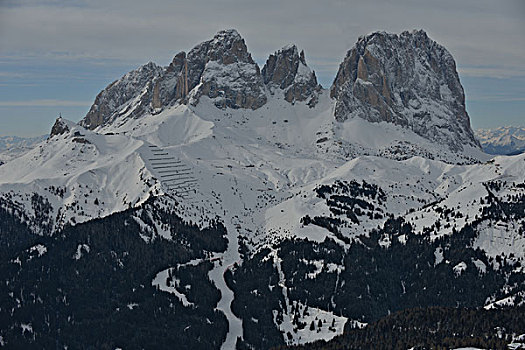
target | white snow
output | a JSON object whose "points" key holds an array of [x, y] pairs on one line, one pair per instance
{"points": [[132, 306], [438, 253], [226, 261], [80, 181], [304, 74], [518, 342], [26, 327], [501, 238], [12, 147], [480, 265], [39, 248]]}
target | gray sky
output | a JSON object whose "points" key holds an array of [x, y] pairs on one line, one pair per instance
{"points": [[56, 55]]}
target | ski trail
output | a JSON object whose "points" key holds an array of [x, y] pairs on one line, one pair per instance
{"points": [[228, 258]]}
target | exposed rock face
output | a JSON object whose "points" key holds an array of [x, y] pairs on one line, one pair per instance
{"points": [[172, 86], [223, 69], [129, 95], [287, 70], [405, 79], [59, 128]]}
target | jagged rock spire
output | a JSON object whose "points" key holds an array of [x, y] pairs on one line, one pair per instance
{"points": [[221, 69], [59, 128], [287, 70]]}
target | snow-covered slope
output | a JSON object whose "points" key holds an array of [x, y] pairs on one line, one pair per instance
{"points": [[14, 146], [435, 198], [76, 176], [128, 97], [502, 140]]}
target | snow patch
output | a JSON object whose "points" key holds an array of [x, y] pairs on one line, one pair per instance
{"points": [[81, 249], [40, 249]]}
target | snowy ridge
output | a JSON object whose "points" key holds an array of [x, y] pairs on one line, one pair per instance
{"points": [[125, 98], [75, 177]]}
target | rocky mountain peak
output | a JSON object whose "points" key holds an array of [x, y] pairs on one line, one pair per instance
{"points": [[223, 69], [220, 68], [228, 47], [286, 69], [130, 95], [281, 67], [405, 79], [60, 127], [408, 80], [505, 140]]}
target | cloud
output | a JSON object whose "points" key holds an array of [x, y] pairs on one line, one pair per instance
{"points": [[45, 103], [496, 98], [477, 32], [493, 72]]}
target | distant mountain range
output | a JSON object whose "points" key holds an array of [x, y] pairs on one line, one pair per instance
{"points": [[14, 146], [506, 140], [213, 204]]}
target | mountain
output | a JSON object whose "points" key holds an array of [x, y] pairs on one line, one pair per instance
{"points": [[221, 69], [213, 204], [502, 140], [405, 79], [14, 146]]}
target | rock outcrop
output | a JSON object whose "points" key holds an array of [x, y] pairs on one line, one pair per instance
{"points": [[172, 86], [60, 127], [405, 79], [220, 68], [287, 70]]}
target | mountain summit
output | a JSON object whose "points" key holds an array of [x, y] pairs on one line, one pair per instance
{"points": [[408, 80], [224, 71], [220, 68], [286, 69]]}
